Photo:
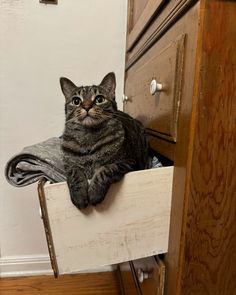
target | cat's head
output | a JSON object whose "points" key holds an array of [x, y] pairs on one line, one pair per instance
{"points": [[89, 105]]}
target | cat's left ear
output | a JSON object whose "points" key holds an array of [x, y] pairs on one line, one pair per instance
{"points": [[109, 83], [67, 86]]}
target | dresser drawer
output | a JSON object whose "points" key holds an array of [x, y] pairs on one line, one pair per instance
{"points": [[150, 274], [132, 222], [128, 280], [140, 15], [142, 277], [153, 90]]}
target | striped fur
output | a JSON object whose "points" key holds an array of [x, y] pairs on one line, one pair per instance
{"points": [[100, 143]]}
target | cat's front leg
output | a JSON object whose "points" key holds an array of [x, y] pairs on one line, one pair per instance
{"points": [[104, 177], [78, 187]]}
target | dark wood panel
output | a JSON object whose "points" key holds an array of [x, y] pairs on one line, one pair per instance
{"points": [[128, 281], [136, 8], [141, 12], [163, 147], [171, 12], [208, 253], [181, 156], [157, 111], [82, 284]]}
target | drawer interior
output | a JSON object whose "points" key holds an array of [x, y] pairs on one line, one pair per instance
{"points": [[132, 222]]}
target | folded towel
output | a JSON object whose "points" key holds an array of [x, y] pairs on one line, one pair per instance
{"points": [[43, 159], [39, 160]]}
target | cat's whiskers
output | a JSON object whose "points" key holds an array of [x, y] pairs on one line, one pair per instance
{"points": [[111, 143], [114, 114]]}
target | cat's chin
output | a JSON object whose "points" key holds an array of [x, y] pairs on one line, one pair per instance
{"points": [[89, 122]]}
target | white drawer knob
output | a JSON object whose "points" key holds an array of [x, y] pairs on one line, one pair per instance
{"points": [[40, 213], [155, 87], [142, 275], [125, 98]]}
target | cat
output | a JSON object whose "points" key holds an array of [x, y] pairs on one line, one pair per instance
{"points": [[99, 143]]}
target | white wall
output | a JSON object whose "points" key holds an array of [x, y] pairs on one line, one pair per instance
{"points": [[82, 40]]}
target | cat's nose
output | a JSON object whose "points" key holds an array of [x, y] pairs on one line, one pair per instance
{"points": [[87, 107]]}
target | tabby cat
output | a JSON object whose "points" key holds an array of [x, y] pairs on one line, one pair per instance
{"points": [[100, 144]]}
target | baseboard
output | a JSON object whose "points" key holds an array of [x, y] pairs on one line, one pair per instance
{"points": [[12, 266], [31, 265]]}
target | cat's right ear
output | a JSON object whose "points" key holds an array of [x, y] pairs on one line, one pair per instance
{"points": [[67, 86]]}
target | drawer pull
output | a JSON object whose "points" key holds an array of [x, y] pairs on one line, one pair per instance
{"points": [[125, 98], [155, 87], [142, 275], [40, 213]]}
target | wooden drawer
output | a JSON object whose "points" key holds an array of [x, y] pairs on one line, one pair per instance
{"points": [[131, 223], [143, 276], [150, 273], [128, 280], [141, 14], [158, 111]]}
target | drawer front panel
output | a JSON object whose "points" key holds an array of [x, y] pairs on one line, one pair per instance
{"points": [[150, 273], [157, 111], [141, 12], [136, 8], [122, 228]]}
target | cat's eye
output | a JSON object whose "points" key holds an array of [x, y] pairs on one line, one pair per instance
{"points": [[99, 99], [76, 100]]}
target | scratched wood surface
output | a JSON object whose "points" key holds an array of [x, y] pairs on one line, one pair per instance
{"points": [[208, 257], [131, 223]]}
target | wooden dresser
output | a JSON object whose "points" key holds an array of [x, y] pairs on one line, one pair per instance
{"points": [[180, 82]]}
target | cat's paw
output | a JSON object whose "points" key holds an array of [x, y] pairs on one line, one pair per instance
{"points": [[96, 194], [79, 199]]}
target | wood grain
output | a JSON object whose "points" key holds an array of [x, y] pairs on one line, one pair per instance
{"points": [[201, 258], [208, 255], [164, 147], [178, 152], [147, 10], [158, 112], [128, 280], [136, 8], [181, 159], [82, 284], [170, 13], [132, 222], [47, 229]]}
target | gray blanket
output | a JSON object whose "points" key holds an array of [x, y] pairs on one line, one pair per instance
{"points": [[40, 160], [43, 159]]}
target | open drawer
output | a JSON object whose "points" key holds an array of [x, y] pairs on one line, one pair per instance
{"points": [[131, 223]]}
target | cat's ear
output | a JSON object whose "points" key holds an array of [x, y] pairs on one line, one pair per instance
{"points": [[67, 86], [109, 83]]}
